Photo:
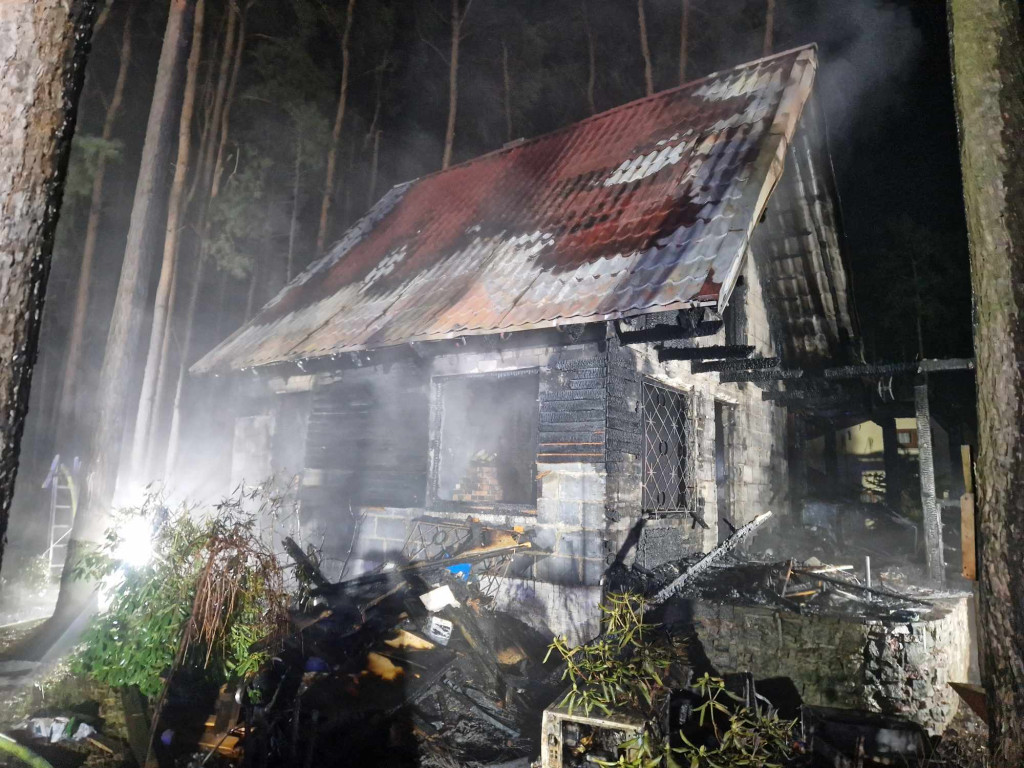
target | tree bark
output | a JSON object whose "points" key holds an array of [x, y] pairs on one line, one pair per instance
{"points": [[645, 48], [43, 46], [162, 306], [453, 84], [769, 27], [988, 70], [210, 93], [126, 323], [339, 119], [162, 376], [68, 393], [684, 41]]}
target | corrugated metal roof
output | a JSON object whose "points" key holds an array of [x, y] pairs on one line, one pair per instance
{"points": [[647, 207]]}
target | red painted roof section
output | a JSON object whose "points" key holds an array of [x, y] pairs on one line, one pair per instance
{"points": [[644, 208]]}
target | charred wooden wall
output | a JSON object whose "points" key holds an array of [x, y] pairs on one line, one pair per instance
{"points": [[366, 446], [573, 401]]}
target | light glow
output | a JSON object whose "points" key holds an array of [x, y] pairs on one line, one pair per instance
{"points": [[135, 545]]}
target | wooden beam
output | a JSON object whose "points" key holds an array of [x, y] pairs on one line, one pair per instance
{"points": [[750, 364], [968, 545], [737, 373], [930, 511], [669, 332], [716, 352]]}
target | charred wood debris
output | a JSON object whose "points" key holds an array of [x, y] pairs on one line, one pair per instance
{"points": [[414, 664]]}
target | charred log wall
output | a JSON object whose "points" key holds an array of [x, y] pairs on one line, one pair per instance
{"points": [[366, 446]]}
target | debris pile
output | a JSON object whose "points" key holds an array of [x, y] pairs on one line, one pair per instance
{"points": [[406, 665]]}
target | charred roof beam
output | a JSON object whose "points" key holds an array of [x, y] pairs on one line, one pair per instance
{"points": [[691, 325], [764, 364], [717, 352], [754, 373]]}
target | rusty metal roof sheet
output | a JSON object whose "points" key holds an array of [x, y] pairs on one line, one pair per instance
{"points": [[647, 207]]}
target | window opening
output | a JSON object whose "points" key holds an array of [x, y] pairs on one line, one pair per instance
{"points": [[486, 449]]}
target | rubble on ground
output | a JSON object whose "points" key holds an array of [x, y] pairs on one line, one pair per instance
{"points": [[410, 662]]}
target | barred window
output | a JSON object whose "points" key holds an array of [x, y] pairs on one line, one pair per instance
{"points": [[669, 483]]}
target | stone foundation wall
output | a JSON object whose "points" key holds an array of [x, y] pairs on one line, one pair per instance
{"points": [[902, 669]]}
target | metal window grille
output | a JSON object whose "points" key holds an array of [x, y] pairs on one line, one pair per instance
{"points": [[669, 471]]}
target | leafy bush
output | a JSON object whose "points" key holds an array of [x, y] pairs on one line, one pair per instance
{"points": [[625, 666], [753, 738], [212, 588], [629, 666]]}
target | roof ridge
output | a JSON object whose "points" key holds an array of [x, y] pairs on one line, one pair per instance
{"points": [[517, 144]]}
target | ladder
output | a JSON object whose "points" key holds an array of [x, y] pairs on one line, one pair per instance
{"points": [[60, 483]]}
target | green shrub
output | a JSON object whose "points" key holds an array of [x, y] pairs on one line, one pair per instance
{"points": [[629, 666], [212, 588]]}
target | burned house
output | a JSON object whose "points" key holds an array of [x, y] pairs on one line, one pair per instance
{"points": [[543, 337]]}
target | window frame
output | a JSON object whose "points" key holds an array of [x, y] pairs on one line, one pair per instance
{"points": [[688, 439], [434, 502]]}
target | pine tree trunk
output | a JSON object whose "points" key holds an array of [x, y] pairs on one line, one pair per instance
{"points": [[371, 193], [257, 266], [227, 81], [339, 120], [250, 297], [216, 115], [174, 429], [453, 84], [210, 94], [645, 48], [988, 72], [769, 27], [68, 393], [507, 82], [126, 322], [374, 133], [591, 60], [293, 225], [43, 45], [229, 101], [684, 42], [162, 376], [162, 303]]}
